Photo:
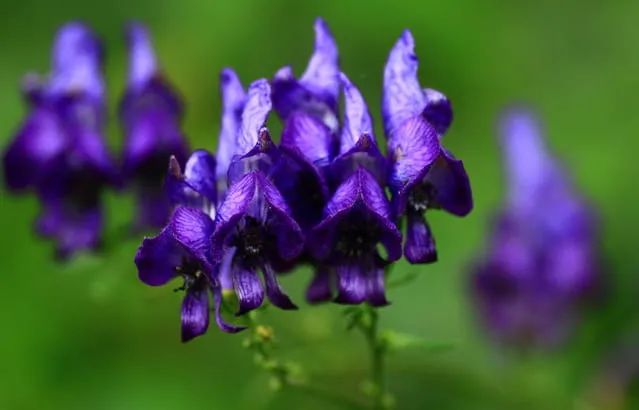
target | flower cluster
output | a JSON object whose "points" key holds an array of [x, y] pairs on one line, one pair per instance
{"points": [[317, 197], [60, 152], [541, 265]]}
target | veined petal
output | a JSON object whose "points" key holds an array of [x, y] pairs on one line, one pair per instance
{"points": [[233, 99], [412, 148], [420, 243], [199, 174], [306, 133], [142, 62], [403, 97], [40, 140], [248, 288], [231, 210], [320, 77], [256, 110], [77, 60], [279, 220], [275, 293], [375, 285], [357, 119], [193, 229], [157, 259], [195, 313], [352, 286], [438, 110]]}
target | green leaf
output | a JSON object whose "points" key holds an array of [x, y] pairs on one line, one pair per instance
{"points": [[394, 341]]}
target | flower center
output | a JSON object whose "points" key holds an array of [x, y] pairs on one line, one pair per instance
{"points": [[357, 236], [191, 273], [422, 197], [250, 240]]}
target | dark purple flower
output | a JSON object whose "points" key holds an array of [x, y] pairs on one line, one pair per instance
{"points": [[183, 249], [59, 150], [254, 229], [308, 107], [150, 113], [356, 220], [424, 175], [542, 260], [195, 187], [255, 225]]}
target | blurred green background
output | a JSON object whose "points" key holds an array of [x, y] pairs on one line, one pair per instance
{"points": [[90, 335]]}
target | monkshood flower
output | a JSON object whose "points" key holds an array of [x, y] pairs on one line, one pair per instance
{"points": [[59, 150], [183, 249], [541, 264], [254, 224], [308, 107], [150, 113], [424, 175], [357, 219]]}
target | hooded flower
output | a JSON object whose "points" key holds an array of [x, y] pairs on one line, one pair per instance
{"points": [[254, 228], [150, 113], [183, 248], [308, 107], [424, 175], [542, 259], [357, 219], [59, 150]]}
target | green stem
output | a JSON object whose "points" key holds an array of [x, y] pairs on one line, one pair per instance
{"points": [[377, 349]]}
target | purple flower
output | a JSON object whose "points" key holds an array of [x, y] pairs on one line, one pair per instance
{"points": [[254, 228], [424, 175], [542, 260], [150, 113], [357, 218], [59, 150], [308, 107], [183, 247]]}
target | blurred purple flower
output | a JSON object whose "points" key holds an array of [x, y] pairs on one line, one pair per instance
{"points": [[423, 175], [150, 113], [542, 261], [59, 150]]}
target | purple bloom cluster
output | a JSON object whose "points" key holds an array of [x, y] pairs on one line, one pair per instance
{"points": [[317, 197], [60, 153], [541, 265]]}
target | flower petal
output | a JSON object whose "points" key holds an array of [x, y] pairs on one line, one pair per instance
{"points": [[320, 288], [142, 63], [376, 289], [231, 210], [438, 110], [320, 77], [275, 293], [157, 258], [221, 323], [248, 288], [233, 99], [451, 183], [40, 140], [195, 313], [77, 62], [403, 97], [420, 243], [352, 284], [256, 110], [317, 91], [193, 229], [199, 174], [279, 221], [306, 133], [357, 119], [413, 148]]}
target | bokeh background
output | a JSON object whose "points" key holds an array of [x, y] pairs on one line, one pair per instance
{"points": [[88, 334]]}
